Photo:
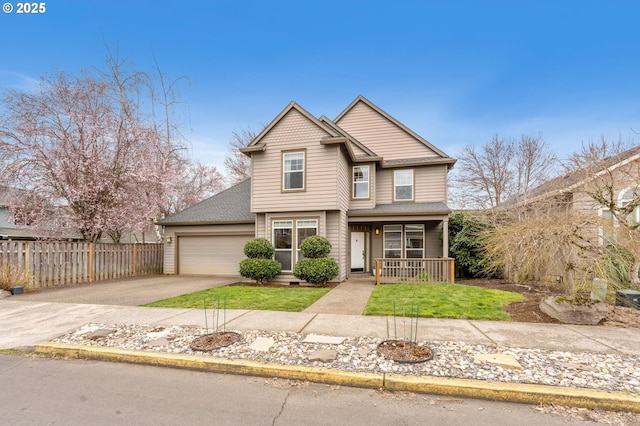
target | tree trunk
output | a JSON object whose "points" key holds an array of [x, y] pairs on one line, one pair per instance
{"points": [[633, 278]]}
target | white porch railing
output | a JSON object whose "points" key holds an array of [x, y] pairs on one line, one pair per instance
{"points": [[401, 271]]}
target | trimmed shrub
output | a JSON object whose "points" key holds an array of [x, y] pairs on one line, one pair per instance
{"points": [[316, 271], [260, 270], [259, 248], [315, 247]]}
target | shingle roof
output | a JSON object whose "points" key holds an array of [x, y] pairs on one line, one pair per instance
{"points": [[437, 207], [230, 205], [570, 181]]}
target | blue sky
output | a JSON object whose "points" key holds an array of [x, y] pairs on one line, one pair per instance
{"points": [[456, 72]]}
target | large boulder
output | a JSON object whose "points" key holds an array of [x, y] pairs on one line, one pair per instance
{"points": [[568, 313]]}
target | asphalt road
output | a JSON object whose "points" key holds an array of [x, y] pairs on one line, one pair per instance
{"points": [[43, 391]]}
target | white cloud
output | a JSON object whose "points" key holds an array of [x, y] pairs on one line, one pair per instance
{"points": [[17, 81]]}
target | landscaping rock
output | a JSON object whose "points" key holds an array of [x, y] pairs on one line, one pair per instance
{"points": [[100, 334], [4, 293], [502, 360], [568, 313], [323, 355]]}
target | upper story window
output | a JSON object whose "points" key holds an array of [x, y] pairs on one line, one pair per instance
{"points": [[293, 171], [403, 185], [361, 182]]}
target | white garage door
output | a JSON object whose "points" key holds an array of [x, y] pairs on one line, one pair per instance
{"points": [[210, 254]]}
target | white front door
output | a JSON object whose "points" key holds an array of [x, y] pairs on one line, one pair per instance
{"points": [[357, 251]]}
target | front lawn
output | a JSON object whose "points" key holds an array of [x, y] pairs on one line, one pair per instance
{"points": [[440, 301], [291, 299]]}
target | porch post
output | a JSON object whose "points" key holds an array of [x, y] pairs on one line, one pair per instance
{"points": [[445, 237]]}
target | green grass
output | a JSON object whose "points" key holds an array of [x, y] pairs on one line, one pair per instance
{"points": [[440, 301], [291, 299]]}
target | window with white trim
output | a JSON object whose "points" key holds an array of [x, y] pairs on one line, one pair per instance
{"points": [[293, 171], [403, 185], [288, 234], [305, 228], [283, 243], [361, 182], [404, 241]]}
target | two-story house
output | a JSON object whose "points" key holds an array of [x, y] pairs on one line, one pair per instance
{"points": [[365, 181]]}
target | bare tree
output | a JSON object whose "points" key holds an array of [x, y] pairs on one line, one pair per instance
{"points": [[501, 169], [608, 173], [237, 164], [534, 163]]}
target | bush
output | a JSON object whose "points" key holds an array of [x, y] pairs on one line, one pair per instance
{"points": [[11, 275], [316, 271], [315, 247], [465, 243], [260, 270], [259, 248]]}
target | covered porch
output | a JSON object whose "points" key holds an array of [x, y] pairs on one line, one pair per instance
{"points": [[401, 243]]}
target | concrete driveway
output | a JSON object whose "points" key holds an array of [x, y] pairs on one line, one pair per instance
{"points": [[127, 291]]}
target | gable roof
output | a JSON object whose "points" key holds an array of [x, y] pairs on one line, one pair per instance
{"points": [[570, 181], [257, 145], [362, 99], [358, 151], [233, 205]]}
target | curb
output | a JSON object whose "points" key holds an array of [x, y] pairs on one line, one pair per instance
{"points": [[479, 389]]}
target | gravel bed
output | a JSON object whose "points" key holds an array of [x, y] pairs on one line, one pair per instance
{"points": [[359, 354]]}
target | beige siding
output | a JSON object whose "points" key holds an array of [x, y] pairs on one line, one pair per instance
{"points": [[368, 203], [381, 135], [261, 227], [338, 235], [344, 181], [430, 184], [295, 132], [433, 242], [170, 259]]}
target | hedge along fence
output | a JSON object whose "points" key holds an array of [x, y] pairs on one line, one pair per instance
{"points": [[53, 264]]}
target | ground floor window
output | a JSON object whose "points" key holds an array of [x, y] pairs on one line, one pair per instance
{"points": [[288, 234], [404, 241]]}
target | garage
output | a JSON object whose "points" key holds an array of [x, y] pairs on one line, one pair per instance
{"points": [[210, 254]]}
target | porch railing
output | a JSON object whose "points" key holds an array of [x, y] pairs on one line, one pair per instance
{"points": [[399, 271]]}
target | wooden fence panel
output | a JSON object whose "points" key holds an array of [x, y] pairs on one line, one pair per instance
{"points": [[52, 264]]}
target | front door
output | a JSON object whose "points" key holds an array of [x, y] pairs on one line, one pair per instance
{"points": [[357, 252]]}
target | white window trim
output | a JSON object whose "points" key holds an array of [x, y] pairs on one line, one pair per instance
{"points": [[295, 224], [402, 228], [354, 182], [395, 185], [284, 172]]}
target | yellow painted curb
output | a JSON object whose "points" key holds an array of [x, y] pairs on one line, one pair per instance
{"points": [[515, 392], [218, 365], [498, 391]]}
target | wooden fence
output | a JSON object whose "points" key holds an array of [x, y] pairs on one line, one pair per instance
{"points": [[398, 271], [52, 264]]}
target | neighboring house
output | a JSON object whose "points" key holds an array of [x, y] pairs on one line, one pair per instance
{"points": [[10, 230], [617, 177], [365, 181]]}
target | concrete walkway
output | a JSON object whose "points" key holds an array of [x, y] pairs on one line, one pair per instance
{"points": [[347, 298]]}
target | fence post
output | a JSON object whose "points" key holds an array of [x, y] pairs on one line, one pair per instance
{"points": [[27, 263], [452, 270], [90, 263], [377, 271], [133, 259]]}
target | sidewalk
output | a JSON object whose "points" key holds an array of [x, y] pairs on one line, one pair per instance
{"points": [[30, 325]]}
